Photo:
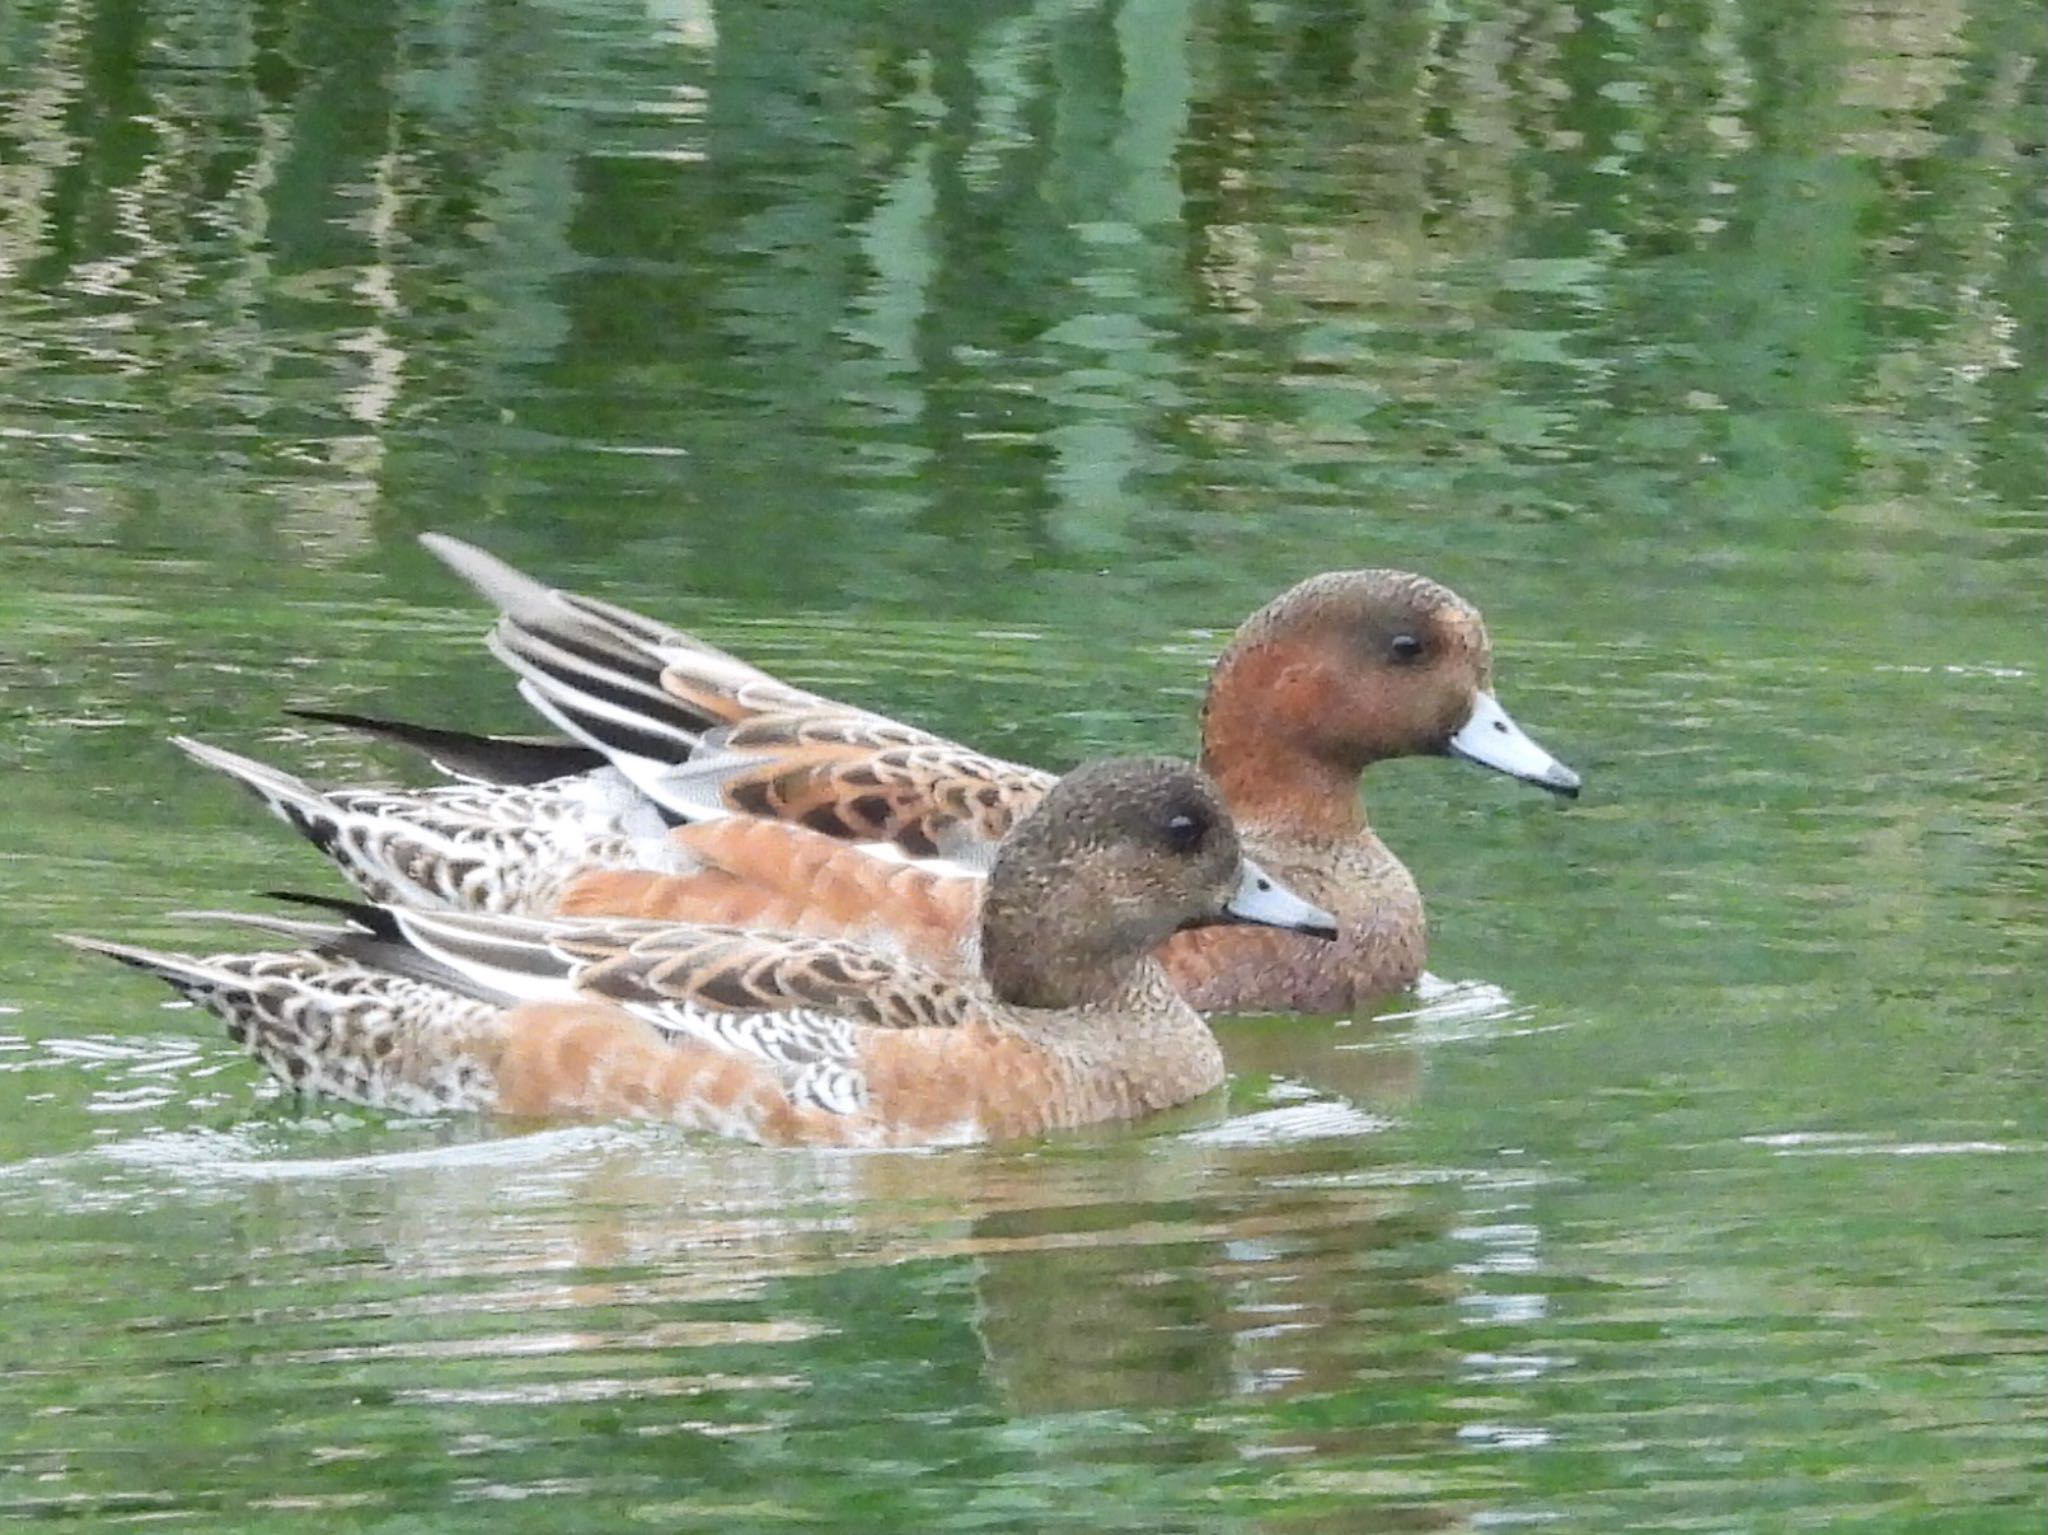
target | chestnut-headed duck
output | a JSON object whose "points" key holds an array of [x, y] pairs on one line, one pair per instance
{"points": [[1341, 671], [772, 1037], [816, 817]]}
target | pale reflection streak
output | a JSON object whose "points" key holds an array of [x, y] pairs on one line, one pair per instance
{"points": [[1978, 337], [692, 23], [1115, 369], [170, 271], [1415, 208], [33, 119], [1478, 160], [899, 242], [334, 516], [1730, 97], [237, 336], [1003, 93], [1903, 59]]}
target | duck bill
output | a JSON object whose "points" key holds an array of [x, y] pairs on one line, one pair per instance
{"points": [[1262, 899], [1492, 740]]}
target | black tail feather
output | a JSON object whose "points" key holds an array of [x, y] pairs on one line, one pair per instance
{"points": [[508, 760], [373, 920]]}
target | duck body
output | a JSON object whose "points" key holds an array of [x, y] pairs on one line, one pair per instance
{"points": [[775, 1037], [837, 1074]]}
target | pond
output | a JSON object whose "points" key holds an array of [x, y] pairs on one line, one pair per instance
{"points": [[985, 363]]}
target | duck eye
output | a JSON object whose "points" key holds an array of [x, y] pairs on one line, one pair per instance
{"points": [[1184, 832], [1404, 648]]}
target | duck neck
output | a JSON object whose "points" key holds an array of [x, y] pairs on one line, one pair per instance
{"points": [[1276, 767], [1274, 782], [1028, 967]]}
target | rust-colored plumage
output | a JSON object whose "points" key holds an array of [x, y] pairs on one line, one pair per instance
{"points": [[777, 1037]]}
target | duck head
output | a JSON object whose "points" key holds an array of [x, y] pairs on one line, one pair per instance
{"points": [[1350, 668], [1118, 856]]}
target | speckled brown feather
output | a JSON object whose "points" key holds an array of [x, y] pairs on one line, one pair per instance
{"points": [[844, 893], [571, 1060], [329, 1026], [465, 847], [865, 780], [652, 695], [735, 971], [982, 1080], [1299, 703]]}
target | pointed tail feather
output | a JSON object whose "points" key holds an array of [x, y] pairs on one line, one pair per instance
{"points": [[360, 933], [468, 847], [649, 631], [220, 983], [343, 835], [527, 601], [606, 689], [595, 670], [493, 957], [405, 942], [513, 761], [512, 592], [321, 1023], [292, 800], [190, 976], [366, 915]]}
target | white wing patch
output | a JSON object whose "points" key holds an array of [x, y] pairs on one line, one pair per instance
{"points": [[645, 771], [694, 789]]}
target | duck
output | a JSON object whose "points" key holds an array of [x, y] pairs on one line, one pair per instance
{"points": [[1070, 1019], [1343, 670]]}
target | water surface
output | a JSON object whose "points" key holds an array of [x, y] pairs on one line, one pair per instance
{"points": [[986, 363]]}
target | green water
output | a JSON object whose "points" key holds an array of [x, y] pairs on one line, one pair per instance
{"points": [[985, 363]]}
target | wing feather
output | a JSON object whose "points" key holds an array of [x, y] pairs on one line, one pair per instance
{"points": [[798, 1005], [705, 735]]}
